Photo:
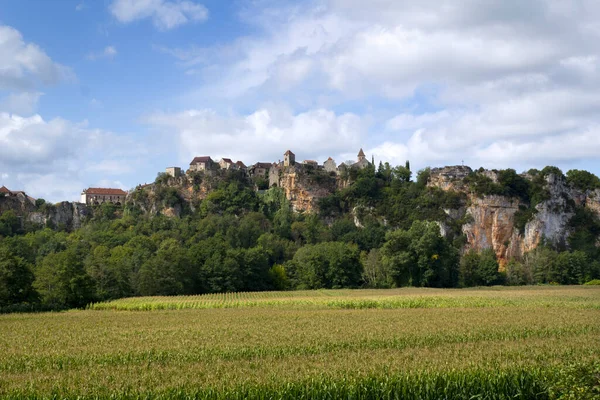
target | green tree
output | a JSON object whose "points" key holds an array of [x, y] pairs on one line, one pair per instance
{"points": [[16, 279], [376, 273], [583, 180], [327, 265], [479, 269], [420, 256], [62, 282]]}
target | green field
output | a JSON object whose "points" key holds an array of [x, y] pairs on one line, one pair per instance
{"points": [[498, 343]]}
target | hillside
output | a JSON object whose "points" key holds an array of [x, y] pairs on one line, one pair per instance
{"points": [[223, 231]]}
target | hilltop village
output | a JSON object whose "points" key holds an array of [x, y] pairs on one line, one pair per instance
{"points": [[287, 174]]}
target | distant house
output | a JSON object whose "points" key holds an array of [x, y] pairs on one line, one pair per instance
{"points": [[362, 160], [312, 163], [95, 196], [226, 163], [330, 165], [20, 194], [289, 159], [241, 166], [202, 164], [175, 172], [260, 169]]}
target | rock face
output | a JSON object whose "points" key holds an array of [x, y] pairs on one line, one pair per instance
{"points": [[68, 215], [493, 218], [492, 225], [304, 186], [65, 214]]}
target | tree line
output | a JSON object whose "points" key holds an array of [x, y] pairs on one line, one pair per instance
{"points": [[240, 240]]}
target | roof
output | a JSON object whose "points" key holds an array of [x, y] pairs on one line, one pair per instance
{"points": [[330, 159], [361, 153], [288, 152], [3, 189], [240, 164], [106, 191], [203, 159], [263, 165], [309, 162], [227, 160]]}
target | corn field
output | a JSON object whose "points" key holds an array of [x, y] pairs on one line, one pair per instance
{"points": [[498, 343]]}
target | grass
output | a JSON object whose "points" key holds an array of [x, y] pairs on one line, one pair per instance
{"points": [[497, 343]]}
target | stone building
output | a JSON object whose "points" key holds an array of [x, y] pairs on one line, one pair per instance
{"points": [[204, 163], [4, 191], [362, 161], [330, 165], [289, 159], [175, 172], [226, 163], [260, 169], [241, 166], [312, 163], [95, 196]]}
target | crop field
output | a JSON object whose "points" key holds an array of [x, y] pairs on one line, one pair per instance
{"points": [[497, 343]]}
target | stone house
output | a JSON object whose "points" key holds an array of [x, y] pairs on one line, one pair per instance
{"points": [[260, 169], [204, 163], [312, 163], [289, 159], [95, 196], [330, 165], [275, 175], [19, 194], [175, 172], [241, 166], [226, 163]]}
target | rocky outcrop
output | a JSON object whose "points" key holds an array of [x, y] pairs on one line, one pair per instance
{"points": [[450, 178], [68, 215], [492, 219], [304, 186]]}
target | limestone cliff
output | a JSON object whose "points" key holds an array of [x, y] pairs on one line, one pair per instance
{"points": [[65, 214], [304, 185], [493, 218]]}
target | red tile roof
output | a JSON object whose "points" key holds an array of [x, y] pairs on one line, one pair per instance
{"points": [[227, 160], [203, 159], [240, 164], [3, 189], [106, 192], [361, 153], [288, 152]]}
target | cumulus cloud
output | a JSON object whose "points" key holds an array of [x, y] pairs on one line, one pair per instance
{"points": [[109, 52], [501, 83], [56, 159], [262, 135], [24, 65], [165, 14], [24, 103]]}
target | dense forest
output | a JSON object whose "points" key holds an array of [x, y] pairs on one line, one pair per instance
{"points": [[240, 239]]}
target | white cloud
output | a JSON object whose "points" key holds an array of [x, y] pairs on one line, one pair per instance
{"points": [[165, 14], [24, 103], [109, 52], [500, 83], [56, 159], [263, 135], [23, 65], [80, 7]]}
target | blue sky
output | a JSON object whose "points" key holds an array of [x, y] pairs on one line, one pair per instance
{"points": [[110, 92]]}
